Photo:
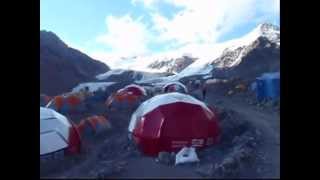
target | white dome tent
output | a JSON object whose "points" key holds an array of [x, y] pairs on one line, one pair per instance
{"points": [[57, 133]]}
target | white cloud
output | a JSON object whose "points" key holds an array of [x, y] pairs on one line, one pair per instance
{"points": [[109, 58], [147, 3], [125, 35], [200, 23], [203, 21]]}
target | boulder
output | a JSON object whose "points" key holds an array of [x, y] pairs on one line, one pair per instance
{"points": [[166, 158]]}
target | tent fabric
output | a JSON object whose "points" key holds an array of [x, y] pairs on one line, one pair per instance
{"points": [[73, 100], [98, 122], [175, 86], [58, 101], [134, 90], [66, 104], [56, 131], [46, 145], [268, 86], [129, 94], [93, 125], [44, 99], [74, 140], [168, 122]]}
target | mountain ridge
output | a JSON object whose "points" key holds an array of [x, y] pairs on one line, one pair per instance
{"points": [[63, 67]]}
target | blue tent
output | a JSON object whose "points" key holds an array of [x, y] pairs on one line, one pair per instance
{"points": [[268, 86]]}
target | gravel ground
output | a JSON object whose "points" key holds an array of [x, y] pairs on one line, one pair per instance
{"points": [[249, 148]]}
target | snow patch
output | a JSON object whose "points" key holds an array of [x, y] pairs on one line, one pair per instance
{"points": [[93, 86], [109, 73]]}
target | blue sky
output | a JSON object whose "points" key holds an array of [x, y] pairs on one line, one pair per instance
{"points": [[102, 28]]}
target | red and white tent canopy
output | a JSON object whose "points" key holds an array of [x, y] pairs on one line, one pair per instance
{"points": [[131, 93], [175, 87], [134, 89], [168, 122], [57, 133]]}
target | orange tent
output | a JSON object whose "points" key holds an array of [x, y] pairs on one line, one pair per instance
{"points": [[93, 125], [58, 102], [73, 100], [44, 99], [66, 104]]}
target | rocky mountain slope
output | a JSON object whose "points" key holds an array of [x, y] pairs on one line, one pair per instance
{"points": [[173, 65], [62, 67]]}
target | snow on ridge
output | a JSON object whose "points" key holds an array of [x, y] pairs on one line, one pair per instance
{"points": [[205, 54], [109, 73], [93, 86], [209, 54]]}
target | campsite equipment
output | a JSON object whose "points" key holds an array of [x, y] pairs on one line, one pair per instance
{"points": [[241, 87], [268, 86], [169, 122], [230, 92], [186, 155], [57, 133]]}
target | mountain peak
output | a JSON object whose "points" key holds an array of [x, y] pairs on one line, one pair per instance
{"points": [[48, 38], [265, 27], [268, 30]]}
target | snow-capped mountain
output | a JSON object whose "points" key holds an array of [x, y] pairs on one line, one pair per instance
{"points": [[173, 65], [168, 62], [128, 76], [201, 55], [254, 53], [230, 54]]}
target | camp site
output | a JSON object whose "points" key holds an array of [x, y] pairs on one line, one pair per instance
{"points": [[170, 95]]}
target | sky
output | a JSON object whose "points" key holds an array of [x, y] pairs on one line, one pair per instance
{"points": [[106, 29]]}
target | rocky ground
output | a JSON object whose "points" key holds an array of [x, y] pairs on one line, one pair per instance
{"points": [[249, 148]]}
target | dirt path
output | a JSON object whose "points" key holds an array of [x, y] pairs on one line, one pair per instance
{"points": [[147, 167], [267, 122]]}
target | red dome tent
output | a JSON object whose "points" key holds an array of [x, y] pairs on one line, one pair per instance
{"points": [[168, 122], [130, 94], [175, 87]]}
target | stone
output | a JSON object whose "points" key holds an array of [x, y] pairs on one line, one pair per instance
{"points": [[109, 169], [258, 132], [230, 163], [104, 172], [236, 140], [165, 158], [172, 157], [122, 163], [269, 103], [206, 171], [245, 155]]}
